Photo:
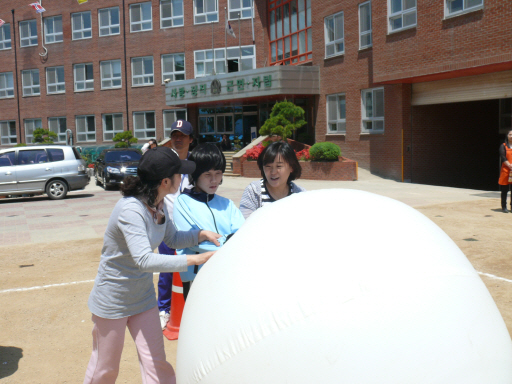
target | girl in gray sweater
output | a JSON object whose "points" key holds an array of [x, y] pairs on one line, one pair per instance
{"points": [[123, 294]]}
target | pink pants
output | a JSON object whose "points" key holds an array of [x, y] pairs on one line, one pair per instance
{"points": [[108, 341]]}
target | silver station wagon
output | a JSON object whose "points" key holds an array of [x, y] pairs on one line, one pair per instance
{"points": [[50, 169]]}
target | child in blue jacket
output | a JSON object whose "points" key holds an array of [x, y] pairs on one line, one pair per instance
{"points": [[198, 207]]}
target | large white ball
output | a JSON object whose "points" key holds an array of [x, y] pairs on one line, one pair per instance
{"points": [[341, 286]]}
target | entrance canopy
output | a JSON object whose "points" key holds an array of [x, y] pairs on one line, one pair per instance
{"points": [[268, 81]]}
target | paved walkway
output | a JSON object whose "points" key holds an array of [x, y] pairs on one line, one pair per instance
{"points": [[84, 214]]}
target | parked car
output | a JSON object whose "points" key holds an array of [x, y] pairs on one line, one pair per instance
{"points": [[113, 165], [34, 170]]}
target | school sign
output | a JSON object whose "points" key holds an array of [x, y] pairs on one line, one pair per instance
{"points": [[278, 80]]}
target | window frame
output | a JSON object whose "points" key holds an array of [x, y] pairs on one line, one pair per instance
{"points": [[111, 78], [290, 35], [400, 14], [463, 11], [144, 75], [141, 22], [28, 38], [110, 26], [223, 59], [172, 18], [7, 88], [61, 136], [172, 75], [338, 120], [10, 136], [85, 81], [32, 85], [206, 13], [114, 131], [366, 119], [3, 40], [54, 34], [86, 132], [367, 32], [165, 112], [58, 83], [145, 129], [240, 10], [31, 136], [81, 30], [335, 41]]}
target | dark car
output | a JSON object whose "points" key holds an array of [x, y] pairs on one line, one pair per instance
{"points": [[113, 165]]}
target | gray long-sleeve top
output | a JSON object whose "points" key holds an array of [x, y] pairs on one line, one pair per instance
{"points": [[124, 283]]}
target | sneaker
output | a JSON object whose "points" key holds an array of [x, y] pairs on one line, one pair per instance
{"points": [[504, 210], [164, 318]]}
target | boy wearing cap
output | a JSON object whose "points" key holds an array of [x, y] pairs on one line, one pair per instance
{"points": [[182, 135]]}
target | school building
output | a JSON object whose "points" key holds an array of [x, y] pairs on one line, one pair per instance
{"points": [[412, 90]]}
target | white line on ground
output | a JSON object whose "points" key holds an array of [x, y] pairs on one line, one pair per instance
{"points": [[494, 277], [92, 281]]}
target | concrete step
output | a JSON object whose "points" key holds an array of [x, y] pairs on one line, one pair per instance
{"points": [[231, 174]]}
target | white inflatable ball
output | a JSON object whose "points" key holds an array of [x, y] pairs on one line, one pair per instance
{"points": [[341, 286]]}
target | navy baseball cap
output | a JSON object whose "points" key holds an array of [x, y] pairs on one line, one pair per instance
{"points": [[162, 162], [183, 126]]}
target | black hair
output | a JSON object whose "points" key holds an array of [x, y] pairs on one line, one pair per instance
{"points": [[207, 156], [506, 137], [147, 190], [284, 149], [152, 141]]}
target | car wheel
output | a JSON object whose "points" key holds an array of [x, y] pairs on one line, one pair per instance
{"points": [[105, 184], [56, 189], [97, 179]]}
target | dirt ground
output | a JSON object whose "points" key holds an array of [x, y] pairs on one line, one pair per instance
{"points": [[45, 333]]}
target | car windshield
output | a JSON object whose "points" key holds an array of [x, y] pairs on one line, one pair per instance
{"points": [[122, 156]]}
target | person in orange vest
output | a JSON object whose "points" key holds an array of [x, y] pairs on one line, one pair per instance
{"points": [[506, 167]]}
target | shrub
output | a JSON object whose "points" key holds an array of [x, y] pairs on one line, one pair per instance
{"points": [[90, 165], [21, 145], [254, 152], [124, 139], [43, 136], [303, 155], [284, 119], [324, 152]]}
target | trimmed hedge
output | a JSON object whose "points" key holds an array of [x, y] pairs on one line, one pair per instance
{"points": [[325, 151]]}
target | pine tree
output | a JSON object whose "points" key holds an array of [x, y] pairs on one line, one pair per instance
{"points": [[124, 139], [43, 136], [284, 119]]}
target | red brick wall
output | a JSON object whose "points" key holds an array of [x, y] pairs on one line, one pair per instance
{"points": [[151, 43], [456, 145], [436, 45]]}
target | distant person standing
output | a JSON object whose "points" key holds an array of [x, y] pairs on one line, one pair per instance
{"points": [[152, 144], [182, 135], [225, 144], [506, 167]]}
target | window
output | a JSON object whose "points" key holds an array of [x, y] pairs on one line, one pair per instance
{"points": [[30, 81], [32, 156], [365, 25], [84, 78], [402, 14], [112, 125], [457, 7], [170, 117], [28, 33], [171, 13], [220, 120], [144, 125], [205, 11], [108, 20], [6, 85], [7, 159], [372, 111], [85, 128], [53, 29], [55, 154], [8, 132], [242, 7], [142, 71], [30, 126], [5, 37], [291, 40], [55, 80], [140, 17], [173, 67], [334, 38], [336, 113], [81, 25], [58, 126], [206, 60], [110, 74]]}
